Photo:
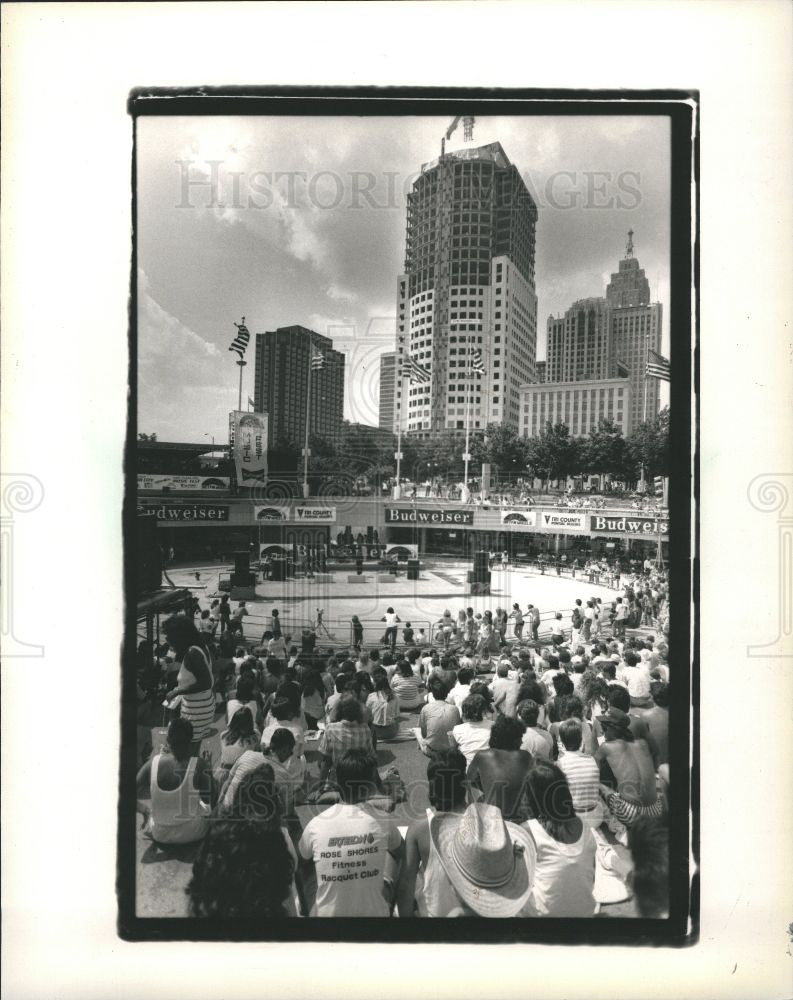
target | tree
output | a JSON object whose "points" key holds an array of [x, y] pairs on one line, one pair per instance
{"points": [[147, 437], [501, 446], [553, 454], [648, 447], [603, 451]]}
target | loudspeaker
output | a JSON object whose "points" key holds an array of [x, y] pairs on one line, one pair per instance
{"points": [[242, 564], [148, 555], [413, 569], [278, 570], [481, 561]]}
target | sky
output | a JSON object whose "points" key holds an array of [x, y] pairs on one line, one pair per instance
{"points": [[287, 220]]}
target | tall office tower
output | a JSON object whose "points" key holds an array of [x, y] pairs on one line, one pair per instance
{"points": [[468, 285], [387, 415], [539, 371], [281, 384], [580, 345], [636, 329]]}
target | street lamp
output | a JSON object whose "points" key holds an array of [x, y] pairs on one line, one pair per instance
{"points": [[208, 435]]}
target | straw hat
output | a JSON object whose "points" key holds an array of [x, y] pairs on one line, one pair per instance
{"points": [[489, 862]]}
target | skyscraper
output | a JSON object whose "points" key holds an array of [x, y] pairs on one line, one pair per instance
{"points": [[580, 345], [281, 384], [468, 285], [388, 367], [636, 330]]}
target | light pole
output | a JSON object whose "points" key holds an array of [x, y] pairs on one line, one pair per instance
{"points": [[208, 435]]}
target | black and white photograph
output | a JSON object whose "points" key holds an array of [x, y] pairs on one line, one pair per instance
{"points": [[402, 549]]}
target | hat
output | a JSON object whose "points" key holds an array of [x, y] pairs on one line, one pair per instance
{"points": [[489, 862], [615, 717]]}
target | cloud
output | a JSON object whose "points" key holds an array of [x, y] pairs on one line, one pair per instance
{"points": [[338, 294]]}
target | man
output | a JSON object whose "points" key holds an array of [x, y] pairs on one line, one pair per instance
{"points": [[627, 773], [534, 620], [355, 852], [538, 742], [581, 772], [577, 620], [462, 688], [505, 690], [499, 772], [620, 617], [235, 625], [589, 619], [504, 559], [437, 718], [557, 631], [390, 618], [657, 721]]}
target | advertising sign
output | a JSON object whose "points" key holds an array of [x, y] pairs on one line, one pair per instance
{"points": [[626, 525], [271, 513], [183, 483], [249, 447], [203, 512], [562, 522], [518, 518], [315, 514], [420, 515], [274, 550]]}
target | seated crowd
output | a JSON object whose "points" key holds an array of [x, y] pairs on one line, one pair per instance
{"points": [[547, 772]]}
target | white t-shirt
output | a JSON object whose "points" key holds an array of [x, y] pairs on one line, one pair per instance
{"points": [[471, 737], [348, 844]]}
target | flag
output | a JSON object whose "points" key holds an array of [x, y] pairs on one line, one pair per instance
{"points": [[414, 371], [477, 363], [240, 342], [317, 362], [657, 366]]}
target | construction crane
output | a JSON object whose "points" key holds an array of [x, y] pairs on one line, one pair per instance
{"points": [[468, 130]]}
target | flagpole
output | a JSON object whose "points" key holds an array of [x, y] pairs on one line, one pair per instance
{"points": [[242, 364], [467, 455], [308, 416], [397, 492]]}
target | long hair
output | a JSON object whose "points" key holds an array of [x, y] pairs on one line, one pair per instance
{"points": [[243, 870], [240, 728], [181, 633], [549, 796]]}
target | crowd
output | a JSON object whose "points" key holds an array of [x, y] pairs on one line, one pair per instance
{"points": [[547, 759]]}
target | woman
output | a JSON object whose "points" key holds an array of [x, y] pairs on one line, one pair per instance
{"points": [[180, 788], [564, 876], [424, 887], [246, 866], [312, 698], [405, 687], [384, 706], [473, 733], [194, 683], [244, 697], [357, 633], [241, 735]]}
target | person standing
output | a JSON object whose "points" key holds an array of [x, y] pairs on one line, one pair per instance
{"points": [[391, 618], [504, 559], [534, 618], [194, 682], [517, 614]]}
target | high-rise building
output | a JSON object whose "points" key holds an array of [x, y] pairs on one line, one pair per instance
{"points": [[468, 286], [388, 368], [636, 330], [580, 345], [539, 371], [281, 384]]}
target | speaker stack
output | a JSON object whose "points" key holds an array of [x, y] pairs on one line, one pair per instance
{"points": [[479, 576], [413, 569]]}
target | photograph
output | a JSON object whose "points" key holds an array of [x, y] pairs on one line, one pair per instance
{"points": [[408, 518]]}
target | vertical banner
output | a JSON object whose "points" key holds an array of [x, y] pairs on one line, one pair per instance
{"points": [[248, 439]]}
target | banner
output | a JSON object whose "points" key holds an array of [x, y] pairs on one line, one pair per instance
{"points": [[271, 513], [518, 518], [183, 483], [627, 525], [401, 552], [421, 515], [185, 512], [274, 549], [563, 522], [314, 514], [248, 439]]}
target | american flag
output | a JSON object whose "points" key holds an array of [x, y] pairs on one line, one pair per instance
{"points": [[240, 342], [414, 371], [477, 363], [317, 362], [657, 366]]}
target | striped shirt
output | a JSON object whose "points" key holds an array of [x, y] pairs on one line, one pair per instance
{"points": [[583, 777], [339, 737]]}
